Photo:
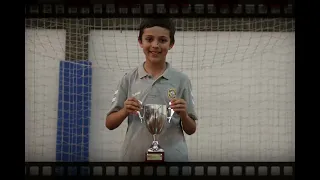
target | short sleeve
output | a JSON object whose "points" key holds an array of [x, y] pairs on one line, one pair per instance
{"points": [[188, 97], [119, 96]]}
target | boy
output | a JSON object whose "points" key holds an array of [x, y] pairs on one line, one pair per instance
{"points": [[154, 82]]}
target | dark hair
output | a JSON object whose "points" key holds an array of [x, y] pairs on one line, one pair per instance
{"points": [[161, 22]]}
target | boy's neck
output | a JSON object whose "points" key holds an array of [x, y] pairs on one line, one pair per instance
{"points": [[155, 69]]}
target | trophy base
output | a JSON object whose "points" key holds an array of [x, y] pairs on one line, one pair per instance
{"points": [[154, 157], [155, 153]]}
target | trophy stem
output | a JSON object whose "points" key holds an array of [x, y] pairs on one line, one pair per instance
{"points": [[154, 137], [155, 145]]}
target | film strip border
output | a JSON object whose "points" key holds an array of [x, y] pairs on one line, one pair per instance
{"points": [[173, 8], [235, 169]]}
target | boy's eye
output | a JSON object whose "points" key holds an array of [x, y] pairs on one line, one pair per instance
{"points": [[160, 40], [163, 40]]}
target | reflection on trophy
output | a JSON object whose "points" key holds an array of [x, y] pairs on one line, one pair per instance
{"points": [[155, 116]]}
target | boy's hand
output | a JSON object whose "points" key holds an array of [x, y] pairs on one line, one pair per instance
{"points": [[179, 106], [132, 105]]}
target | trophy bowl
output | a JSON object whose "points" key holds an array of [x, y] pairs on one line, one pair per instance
{"points": [[155, 116]]}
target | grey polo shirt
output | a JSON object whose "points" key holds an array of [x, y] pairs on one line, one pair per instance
{"points": [[141, 85]]}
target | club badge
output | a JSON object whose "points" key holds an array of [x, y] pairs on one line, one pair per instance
{"points": [[172, 93]]}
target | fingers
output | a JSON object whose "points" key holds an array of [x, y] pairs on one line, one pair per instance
{"points": [[178, 101], [178, 105], [133, 99], [132, 105], [173, 100]]}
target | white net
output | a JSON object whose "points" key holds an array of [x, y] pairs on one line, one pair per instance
{"points": [[242, 72]]}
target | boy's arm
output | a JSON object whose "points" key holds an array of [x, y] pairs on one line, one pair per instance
{"points": [[117, 114], [114, 119], [188, 121]]}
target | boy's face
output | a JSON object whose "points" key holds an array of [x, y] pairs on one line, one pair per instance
{"points": [[155, 43]]}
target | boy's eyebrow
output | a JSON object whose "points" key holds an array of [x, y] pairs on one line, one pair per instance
{"points": [[153, 36]]}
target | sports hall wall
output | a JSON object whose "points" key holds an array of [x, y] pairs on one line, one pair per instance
{"points": [[242, 73]]}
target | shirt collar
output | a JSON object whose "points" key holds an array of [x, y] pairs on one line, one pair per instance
{"points": [[142, 73]]}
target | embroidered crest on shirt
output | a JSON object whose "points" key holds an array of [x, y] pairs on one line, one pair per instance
{"points": [[136, 94], [192, 99], [172, 93], [114, 96]]}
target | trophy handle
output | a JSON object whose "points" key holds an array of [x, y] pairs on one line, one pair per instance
{"points": [[171, 113], [139, 114], [141, 117]]}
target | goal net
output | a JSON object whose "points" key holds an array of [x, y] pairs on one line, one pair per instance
{"points": [[242, 73]]}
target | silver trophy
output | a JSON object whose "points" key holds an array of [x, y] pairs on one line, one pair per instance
{"points": [[155, 116]]}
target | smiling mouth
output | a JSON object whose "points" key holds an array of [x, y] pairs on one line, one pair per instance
{"points": [[154, 53]]}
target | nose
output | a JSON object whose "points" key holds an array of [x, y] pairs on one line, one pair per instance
{"points": [[155, 44]]}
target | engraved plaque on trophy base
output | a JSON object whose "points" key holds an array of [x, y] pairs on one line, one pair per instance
{"points": [[155, 157], [155, 153]]}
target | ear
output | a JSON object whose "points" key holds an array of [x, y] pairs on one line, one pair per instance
{"points": [[171, 46], [140, 43]]}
